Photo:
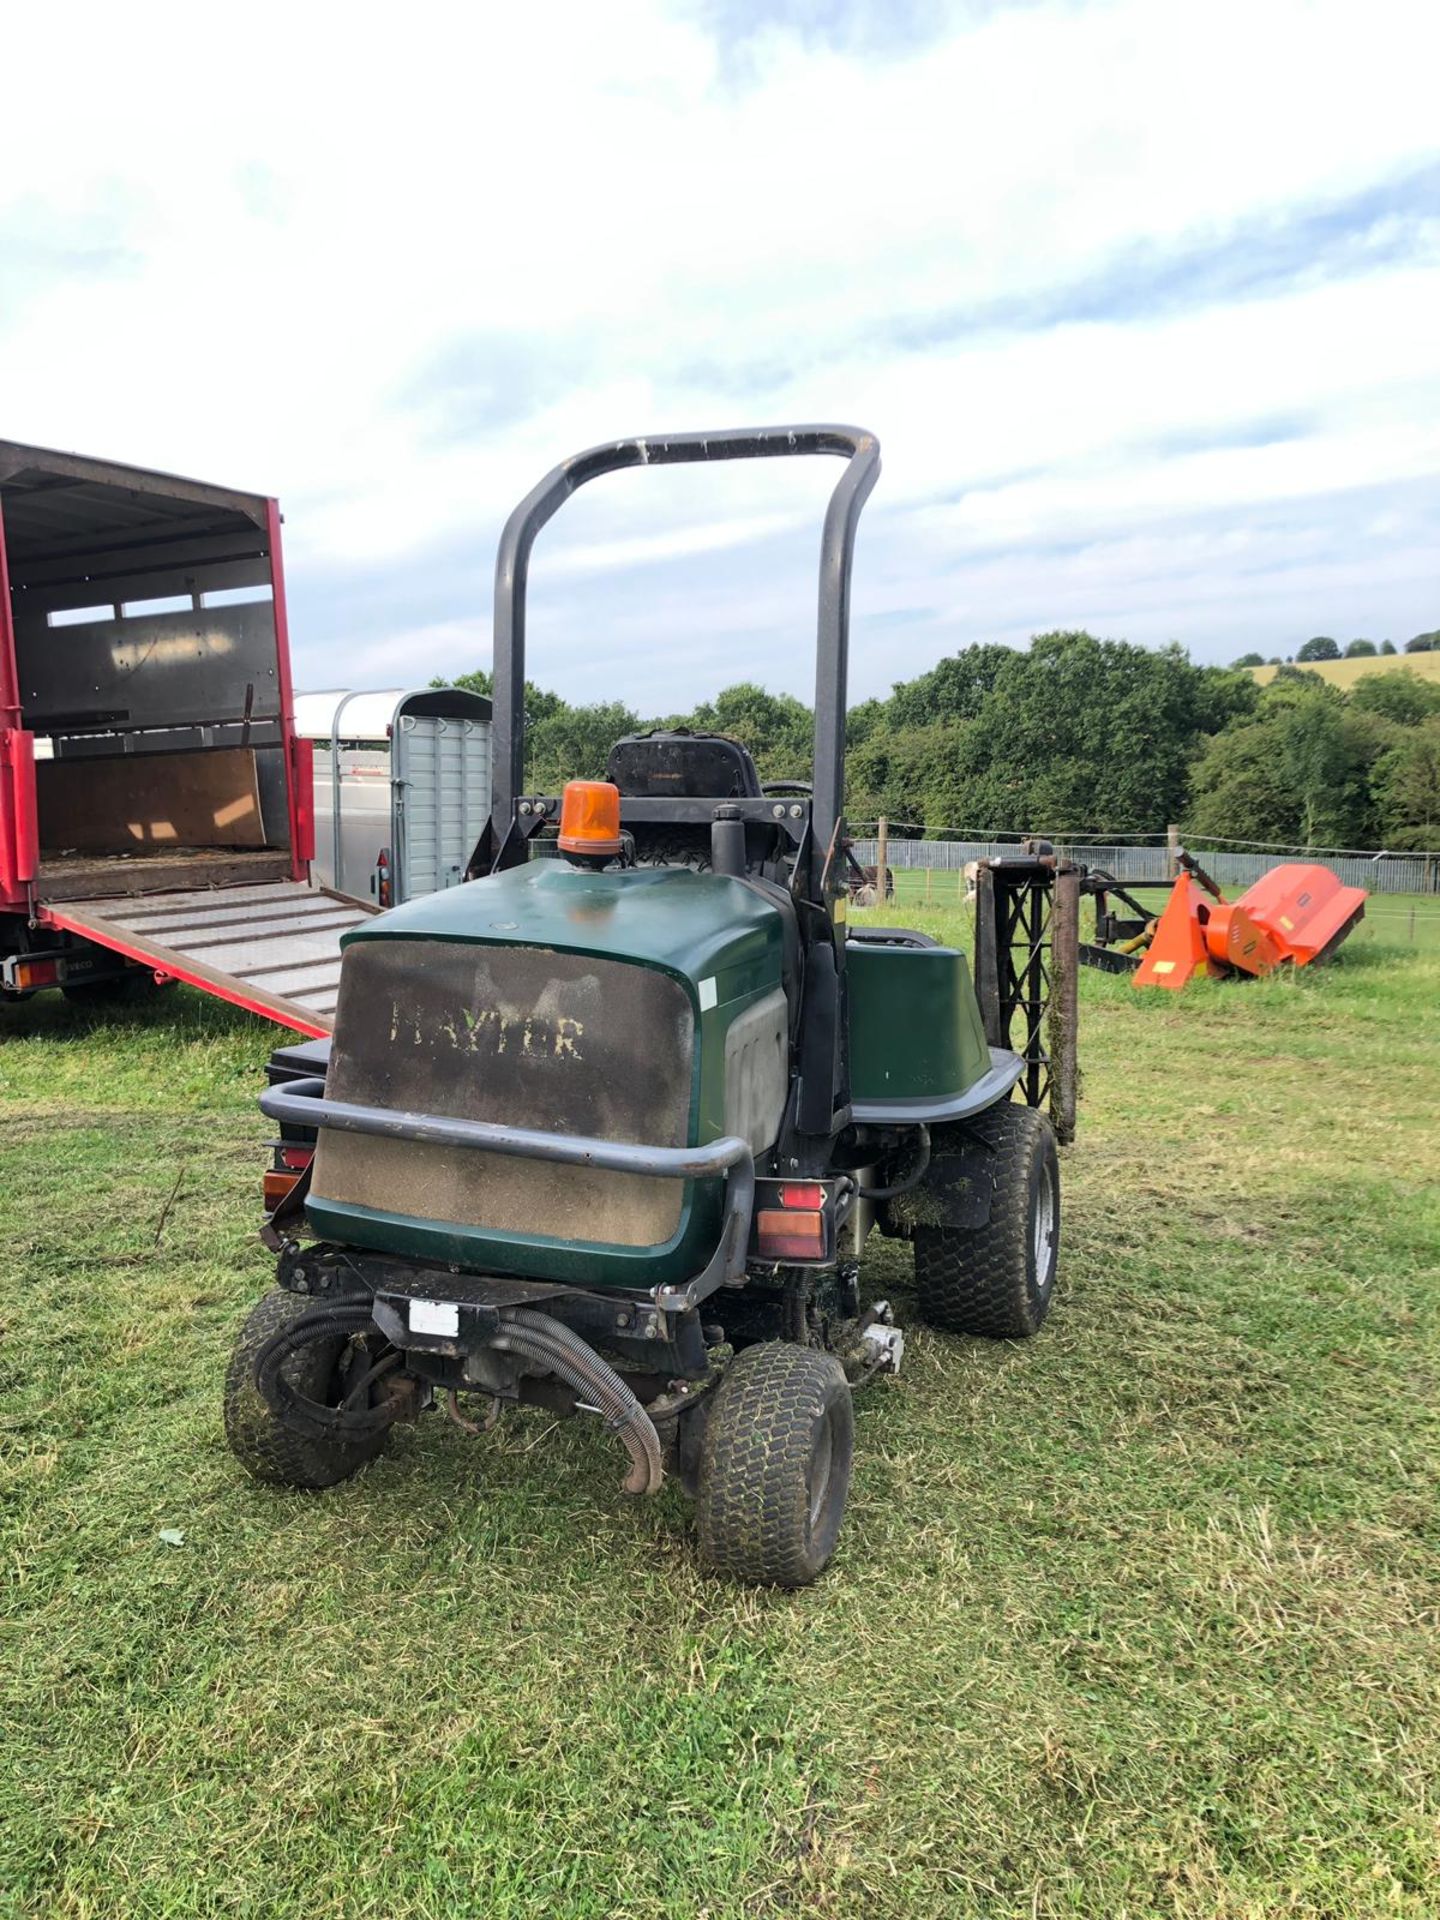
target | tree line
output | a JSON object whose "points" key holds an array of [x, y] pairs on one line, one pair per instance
{"points": [[1079, 735], [1323, 647]]}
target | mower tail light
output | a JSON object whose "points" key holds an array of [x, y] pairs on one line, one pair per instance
{"points": [[590, 817], [802, 1193], [290, 1165], [278, 1183], [790, 1233]]}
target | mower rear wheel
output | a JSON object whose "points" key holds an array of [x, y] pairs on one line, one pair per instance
{"points": [[998, 1280], [775, 1465], [265, 1445]]}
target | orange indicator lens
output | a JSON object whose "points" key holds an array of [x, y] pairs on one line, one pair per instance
{"points": [[785, 1234]]}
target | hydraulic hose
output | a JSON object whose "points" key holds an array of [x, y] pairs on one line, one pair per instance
{"points": [[535, 1336], [912, 1179], [338, 1322]]}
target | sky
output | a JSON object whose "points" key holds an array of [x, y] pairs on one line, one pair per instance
{"points": [[1141, 298]]}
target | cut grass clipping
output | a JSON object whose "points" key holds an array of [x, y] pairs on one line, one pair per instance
{"points": [[1136, 1619]]}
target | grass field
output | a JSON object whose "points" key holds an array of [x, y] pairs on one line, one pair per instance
{"points": [[1138, 1619], [1344, 673]]}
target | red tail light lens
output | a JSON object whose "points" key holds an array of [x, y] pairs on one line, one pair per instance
{"points": [[277, 1185], [290, 1163], [790, 1233], [802, 1193], [302, 793]]}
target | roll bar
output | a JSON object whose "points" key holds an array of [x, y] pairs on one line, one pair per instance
{"points": [[860, 450]]}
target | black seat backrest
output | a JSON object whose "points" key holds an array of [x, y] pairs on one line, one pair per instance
{"points": [[674, 763]]}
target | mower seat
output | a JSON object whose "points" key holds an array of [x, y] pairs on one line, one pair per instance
{"points": [[673, 763]]}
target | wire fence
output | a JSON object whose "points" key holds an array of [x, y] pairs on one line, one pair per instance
{"points": [[1403, 908], [1131, 861]]}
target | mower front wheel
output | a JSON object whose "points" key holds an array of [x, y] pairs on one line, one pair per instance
{"points": [[775, 1465], [268, 1447]]}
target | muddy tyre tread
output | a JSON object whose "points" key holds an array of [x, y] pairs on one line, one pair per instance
{"points": [[980, 1280], [753, 1507], [269, 1450]]}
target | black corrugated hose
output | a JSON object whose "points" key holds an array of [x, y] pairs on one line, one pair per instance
{"points": [[535, 1336], [912, 1178], [338, 1322]]}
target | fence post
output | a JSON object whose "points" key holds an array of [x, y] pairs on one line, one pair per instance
{"points": [[1172, 846], [882, 858], [1064, 1017], [987, 957]]}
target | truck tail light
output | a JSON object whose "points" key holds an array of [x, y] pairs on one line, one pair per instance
{"points": [[30, 974], [302, 774]]}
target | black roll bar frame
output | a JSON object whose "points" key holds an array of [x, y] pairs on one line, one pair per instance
{"points": [[855, 445]]}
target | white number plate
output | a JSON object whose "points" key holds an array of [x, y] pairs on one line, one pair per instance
{"points": [[435, 1316]]}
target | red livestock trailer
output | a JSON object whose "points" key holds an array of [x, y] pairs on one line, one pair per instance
{"points": [[156, 806]]}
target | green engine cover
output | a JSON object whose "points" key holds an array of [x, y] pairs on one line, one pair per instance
{"points": [[633, 1004], [421, 1027]]}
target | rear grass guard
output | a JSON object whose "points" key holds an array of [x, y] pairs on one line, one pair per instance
{"points": [[577, 1045]]}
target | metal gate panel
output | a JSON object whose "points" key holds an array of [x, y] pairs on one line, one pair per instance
{"points": [[441, 770]]}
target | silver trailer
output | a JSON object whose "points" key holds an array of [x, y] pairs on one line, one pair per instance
{"points": [[402, 788]]}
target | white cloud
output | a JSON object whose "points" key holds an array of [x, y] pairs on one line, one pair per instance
{"points": [[262, 238]]}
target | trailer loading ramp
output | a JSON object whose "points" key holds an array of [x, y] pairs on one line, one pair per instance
{"points": [[273, 948]]}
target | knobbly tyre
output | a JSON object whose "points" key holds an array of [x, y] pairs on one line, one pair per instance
{"points": [[606, 1132]]}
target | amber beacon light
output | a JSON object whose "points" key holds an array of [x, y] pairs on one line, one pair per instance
{"points": [[590, 818]]}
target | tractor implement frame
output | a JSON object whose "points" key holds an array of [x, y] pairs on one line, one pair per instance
{"points": [[1027, 951]]}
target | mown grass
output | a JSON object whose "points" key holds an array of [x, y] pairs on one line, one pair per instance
{"points": [[1138, 1619]]}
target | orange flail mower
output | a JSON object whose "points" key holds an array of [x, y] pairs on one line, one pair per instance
{"points": [[1295, 914]]}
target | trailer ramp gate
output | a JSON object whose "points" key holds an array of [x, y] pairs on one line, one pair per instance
{"points": [[272, 948]]}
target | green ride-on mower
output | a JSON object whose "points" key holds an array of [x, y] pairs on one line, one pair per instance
{"points": [[606, 1132]]}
